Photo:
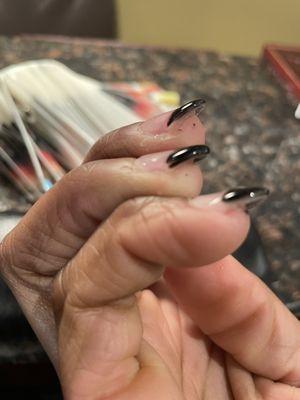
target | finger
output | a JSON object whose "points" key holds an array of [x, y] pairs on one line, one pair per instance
{"points": [[66, 216], [242, 316], [167, 131], [100, 326], [146, 234]]}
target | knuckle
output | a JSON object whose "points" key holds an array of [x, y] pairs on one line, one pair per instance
{"points": [[100, 148], [6, 253], [78, 177], [30, 249], [73, 191], [18, 261], [152, 215], [133, 206], [174, 243], [116, 144], [150, 207]]}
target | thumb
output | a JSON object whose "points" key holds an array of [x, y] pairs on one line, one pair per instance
{"points": [[100, 330]]}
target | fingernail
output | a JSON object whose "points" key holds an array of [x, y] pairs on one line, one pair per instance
{"points": [[240, 197], [195, 153], [169, 124], [153, 162], [195, 105], [246, 197], [155, 126], [167, 159]]}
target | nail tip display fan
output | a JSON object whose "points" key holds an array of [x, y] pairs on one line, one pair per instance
{"points": [[50, 116]]}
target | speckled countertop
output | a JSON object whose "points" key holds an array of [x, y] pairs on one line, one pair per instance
{"points": [[252, 133]]}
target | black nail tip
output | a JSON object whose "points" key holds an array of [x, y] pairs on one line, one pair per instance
{"points": [[195, 153], [197, 104], [249, 196]]}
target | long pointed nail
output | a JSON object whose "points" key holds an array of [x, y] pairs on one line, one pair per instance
{"points": [[196, 105], [247, 197], [241, 197], [166, 159], [195, 153]]}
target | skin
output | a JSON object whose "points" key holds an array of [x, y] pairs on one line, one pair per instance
{"points": [[130, 287]]}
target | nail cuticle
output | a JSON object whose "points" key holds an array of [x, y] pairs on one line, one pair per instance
{"points": [[195, 153], [195, 105]]}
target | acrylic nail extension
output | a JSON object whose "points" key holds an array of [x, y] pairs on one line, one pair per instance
{"points": [[247, 197], [197, 105], [236, 198], [195, 153]]}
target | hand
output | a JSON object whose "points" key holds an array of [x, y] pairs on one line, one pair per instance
{"points": [[87, 264]]}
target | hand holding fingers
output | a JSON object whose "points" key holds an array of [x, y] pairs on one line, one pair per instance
{"points": [[69, 213], [60, 223], [103, 242], [95, 293]]}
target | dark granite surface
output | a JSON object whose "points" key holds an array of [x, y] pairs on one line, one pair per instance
{"points": [[253, 135]]}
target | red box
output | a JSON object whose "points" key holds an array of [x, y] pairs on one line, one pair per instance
{"points": [[285, 63]]}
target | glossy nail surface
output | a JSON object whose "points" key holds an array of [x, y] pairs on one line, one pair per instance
{"points": [[236, 198], [154, 161], [246, 196], [195, 105], [195, 153]]}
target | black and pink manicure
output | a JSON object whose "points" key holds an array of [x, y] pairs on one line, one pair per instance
{"points": [[195, 105], [240, 197], [247, 197], [195, 153], [166, 159]]}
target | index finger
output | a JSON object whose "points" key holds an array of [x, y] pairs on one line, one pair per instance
{"points": [[167, 131]]}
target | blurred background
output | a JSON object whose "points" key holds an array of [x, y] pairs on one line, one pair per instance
{"points": [[232, 26]]}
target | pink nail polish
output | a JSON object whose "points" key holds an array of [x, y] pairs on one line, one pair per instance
{"points": [[165, 159], [182, 120], [162, 123], [240, 197], [154, 161], [156, 125]]}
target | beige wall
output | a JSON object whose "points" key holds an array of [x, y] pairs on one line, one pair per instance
{"points": [[232, 26]]}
